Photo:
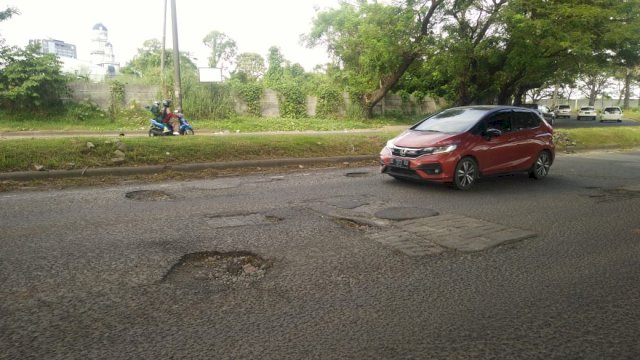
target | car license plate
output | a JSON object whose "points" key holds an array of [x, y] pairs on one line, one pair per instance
{"points": [[401, 163]]}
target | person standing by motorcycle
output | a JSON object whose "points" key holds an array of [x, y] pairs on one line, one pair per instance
{"points": [[169, 118]]}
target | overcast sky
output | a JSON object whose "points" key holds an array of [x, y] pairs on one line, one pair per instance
{"points": [[255, 25]]}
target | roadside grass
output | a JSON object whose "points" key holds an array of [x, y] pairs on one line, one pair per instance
{"points": [[62, 122], [632, 114], [73, 153], [593, 138]]}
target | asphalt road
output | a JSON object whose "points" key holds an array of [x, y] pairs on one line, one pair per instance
{"points": [[313, 269]]}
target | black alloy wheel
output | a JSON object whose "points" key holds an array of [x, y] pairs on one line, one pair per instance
{"points": [[465, 174], [540, 168]]}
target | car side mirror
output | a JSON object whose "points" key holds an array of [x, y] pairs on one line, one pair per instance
{"points": [[491, 133]]}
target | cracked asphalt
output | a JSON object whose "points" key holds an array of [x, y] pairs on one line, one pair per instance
{"points": [[515, 268]]}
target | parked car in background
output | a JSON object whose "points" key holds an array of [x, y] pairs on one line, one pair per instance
{"points": [[611, 113], [461, 144], [562, 111], [546, 113], [587, 112]]}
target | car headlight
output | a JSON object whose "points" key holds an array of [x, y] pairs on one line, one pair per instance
{"points": [[441, 149], [390, 144]]}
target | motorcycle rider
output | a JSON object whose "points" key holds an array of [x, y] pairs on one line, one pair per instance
{"points": [[169, 118], [158, 118]]}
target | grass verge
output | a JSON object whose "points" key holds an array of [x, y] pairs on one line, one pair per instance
{"points": [[9, 123], [77, 153]]}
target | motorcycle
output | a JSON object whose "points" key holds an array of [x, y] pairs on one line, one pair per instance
{"points": [[157, 128]]}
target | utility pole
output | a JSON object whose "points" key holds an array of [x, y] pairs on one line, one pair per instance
{"points": [[164, 42], [177, 87]]}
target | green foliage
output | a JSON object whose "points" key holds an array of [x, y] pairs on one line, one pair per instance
{"points": [[7, 13], [30, 80], [330, 101], [275, 70], [251, 65], [223, 48], [355, 111], [116, 99], [293, 101], [214, 101], [251, 94], [147, 62], [84, 111], [419, 96]]}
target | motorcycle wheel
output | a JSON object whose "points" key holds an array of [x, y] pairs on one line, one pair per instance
{"points": [[151, 133], [188, 132]]}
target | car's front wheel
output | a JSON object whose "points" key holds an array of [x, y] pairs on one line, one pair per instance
{"points": [[540, 168], [466, 173]]}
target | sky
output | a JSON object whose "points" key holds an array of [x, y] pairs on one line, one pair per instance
{"points": [[255, 25]]}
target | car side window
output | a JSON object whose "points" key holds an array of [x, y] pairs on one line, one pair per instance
{"points": [[524, 120], [500, 121]]}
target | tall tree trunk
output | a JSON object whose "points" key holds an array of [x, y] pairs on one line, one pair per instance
{"points": [[370, 99], [627, 90], [593, 94]]}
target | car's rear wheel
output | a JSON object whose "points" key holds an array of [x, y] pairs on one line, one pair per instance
{"points": [[466, 173], [540, 168]]}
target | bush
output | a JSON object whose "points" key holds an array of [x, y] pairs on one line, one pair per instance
{"points": [[85, 110]]}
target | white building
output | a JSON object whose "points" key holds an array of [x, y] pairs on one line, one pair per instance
{"points": [[102, 57]]}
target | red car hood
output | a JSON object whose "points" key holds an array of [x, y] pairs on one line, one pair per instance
{"points": [[420, 139]]}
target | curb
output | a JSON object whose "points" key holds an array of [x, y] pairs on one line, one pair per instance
{"points": [[155, 169]]}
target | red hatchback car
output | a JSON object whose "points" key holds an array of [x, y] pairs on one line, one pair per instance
{"points": [[459, 145]]}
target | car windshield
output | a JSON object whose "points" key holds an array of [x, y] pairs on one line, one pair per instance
{"points": [[587, 108], [612, 109], [452, 120], [563, 107]]}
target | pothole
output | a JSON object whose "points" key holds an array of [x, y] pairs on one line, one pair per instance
{"points": [[352, 224], [218, 270], [405, 213], [356, 174], [616, 194], [148, 195]]}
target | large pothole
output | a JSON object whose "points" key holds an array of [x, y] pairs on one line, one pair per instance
{"points": [[218, 270], [148, 195]]}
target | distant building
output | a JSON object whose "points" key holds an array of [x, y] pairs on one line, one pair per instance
{"points": [[60, 48], [102, 51], [101, 63]]}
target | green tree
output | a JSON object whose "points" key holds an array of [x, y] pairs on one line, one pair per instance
{"points": [[30, 80], [275, 70], [374, 44], [223, 48], [8, 13], [251, 65]]}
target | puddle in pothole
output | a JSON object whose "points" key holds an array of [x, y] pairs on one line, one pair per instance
{"points": [[148, 195], [216, 270]]}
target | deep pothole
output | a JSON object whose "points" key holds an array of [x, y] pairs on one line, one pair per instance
{"points": [[148, 195], [218, 270]]}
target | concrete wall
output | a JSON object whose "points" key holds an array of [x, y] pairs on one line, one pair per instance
{"points": [[100, 94]]}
